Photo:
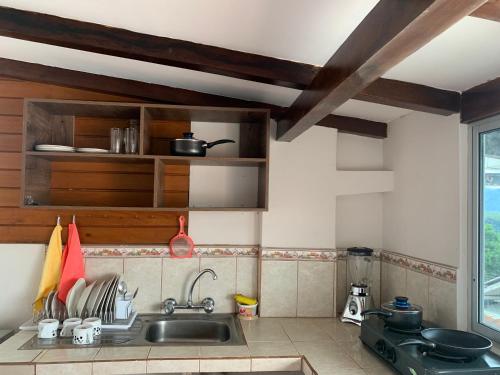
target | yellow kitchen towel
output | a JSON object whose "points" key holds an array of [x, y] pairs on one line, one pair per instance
{"points": [[51, 268]]}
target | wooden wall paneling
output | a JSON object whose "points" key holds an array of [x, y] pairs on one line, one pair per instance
{"points": [[11, 142], [159, 187], [9, 197], [163, 131], [35, 224], [10, 160], [95, 184], [45, 128], [11, 106], [95, 132], [25, 89], [37, 184], [176, 185], [11, 124]]}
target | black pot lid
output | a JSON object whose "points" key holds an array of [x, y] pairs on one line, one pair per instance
{"points": [[359, 251]]}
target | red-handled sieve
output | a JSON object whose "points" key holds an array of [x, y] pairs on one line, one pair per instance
{"points": [[181, 246]]}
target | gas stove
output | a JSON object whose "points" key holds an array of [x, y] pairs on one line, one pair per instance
{"points": [[409, 360]]}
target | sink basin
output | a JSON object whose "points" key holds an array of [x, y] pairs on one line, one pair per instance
{"points": [[192, 331]]}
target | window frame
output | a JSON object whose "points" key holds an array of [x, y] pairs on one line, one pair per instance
{"points": [[476, 184]]}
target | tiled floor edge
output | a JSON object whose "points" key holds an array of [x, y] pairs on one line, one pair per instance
{"points": [[437, 270]]}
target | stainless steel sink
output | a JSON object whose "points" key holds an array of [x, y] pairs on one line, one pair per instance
{"points": [[191, 331], [158, 330]]}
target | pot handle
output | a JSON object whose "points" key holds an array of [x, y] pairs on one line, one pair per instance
{"points": [[377, 312], [220, 141], [426, 344]]}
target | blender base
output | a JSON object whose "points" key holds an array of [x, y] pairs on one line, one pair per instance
{"points": [[355, 305]]}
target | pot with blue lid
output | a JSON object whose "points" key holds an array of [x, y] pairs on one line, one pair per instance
{"points": [[399, 314]]}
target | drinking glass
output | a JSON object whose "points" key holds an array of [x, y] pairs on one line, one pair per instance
{"points": [[116, 140], [130, 138]]}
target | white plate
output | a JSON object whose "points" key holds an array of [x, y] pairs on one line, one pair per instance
{"points": [[107, 299], [94, 150], [89, 306], [48, 304], [73, 296], [59, 148], [100, 297], [82, 302]]}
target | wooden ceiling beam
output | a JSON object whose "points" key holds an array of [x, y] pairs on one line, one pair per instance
{"points": [[389, 33], [44, 28], [481, 102], [165, 94], [489, 11]]}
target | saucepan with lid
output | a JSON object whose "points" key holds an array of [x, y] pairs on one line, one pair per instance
{"points": [[190, 146], [399, 314]]}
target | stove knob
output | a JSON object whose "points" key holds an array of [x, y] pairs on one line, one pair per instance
{"points": [[380, 346], [390, 354], [353, 308]]}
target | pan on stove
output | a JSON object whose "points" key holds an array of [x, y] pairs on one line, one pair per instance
{"points": [[451, 343]]}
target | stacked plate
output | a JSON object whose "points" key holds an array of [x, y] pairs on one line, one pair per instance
{"points": [[55, 148], [61, 148], [97, 299]]}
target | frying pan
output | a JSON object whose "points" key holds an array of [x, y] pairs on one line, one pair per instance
{"points": [[451, 343]]}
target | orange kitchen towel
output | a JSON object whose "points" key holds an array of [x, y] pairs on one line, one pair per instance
{"points": [[51, 268], [73, 267]]}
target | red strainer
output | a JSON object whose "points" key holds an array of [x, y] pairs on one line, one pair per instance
{"points": [[181, 246]]}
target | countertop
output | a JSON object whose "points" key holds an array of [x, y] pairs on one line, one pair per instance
{"points": [[315, 345]]}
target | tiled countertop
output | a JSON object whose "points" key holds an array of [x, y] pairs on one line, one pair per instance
{"points": [[321, 345]]}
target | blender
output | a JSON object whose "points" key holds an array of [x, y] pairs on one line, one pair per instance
{"points": [[359, 262]]}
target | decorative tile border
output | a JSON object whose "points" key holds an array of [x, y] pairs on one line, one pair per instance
{"points": [[201, 251], [326, 255], [440, 271], [342, 254]]}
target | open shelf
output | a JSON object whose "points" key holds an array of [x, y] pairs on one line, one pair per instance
{"points": [[152, 179]]}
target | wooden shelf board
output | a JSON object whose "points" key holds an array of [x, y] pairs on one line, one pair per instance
{"points": [[213, 160], [84, 156], [180, 160], [135, 208]]}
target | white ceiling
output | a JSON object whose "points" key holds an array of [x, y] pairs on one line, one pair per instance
{"points": [[465, 55]]}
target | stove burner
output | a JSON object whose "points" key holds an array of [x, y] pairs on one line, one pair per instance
{"points": [[405, 331], [448, 358]]}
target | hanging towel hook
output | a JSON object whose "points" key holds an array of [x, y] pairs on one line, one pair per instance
{"points": [[58, 220], [74, 219]]}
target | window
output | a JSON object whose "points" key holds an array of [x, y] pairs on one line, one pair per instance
{"points": [[486, 228]]}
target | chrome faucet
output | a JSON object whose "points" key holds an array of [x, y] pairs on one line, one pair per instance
{"points": [[207, 304]]}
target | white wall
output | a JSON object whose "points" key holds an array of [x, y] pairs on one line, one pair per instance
{"points": [[422, 214], [20, 271], [301, 191], [359, 217]]}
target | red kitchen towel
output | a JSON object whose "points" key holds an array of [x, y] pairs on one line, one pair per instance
{"points": [[72, 263]]}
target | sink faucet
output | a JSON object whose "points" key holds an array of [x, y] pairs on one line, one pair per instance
{"points": [[207, 304]]}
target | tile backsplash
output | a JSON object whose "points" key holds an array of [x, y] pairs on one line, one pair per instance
{"points": [[159, 277], [287, 282]]}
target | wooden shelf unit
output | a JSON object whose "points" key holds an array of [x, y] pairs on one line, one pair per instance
{"points": [[150, 180]]}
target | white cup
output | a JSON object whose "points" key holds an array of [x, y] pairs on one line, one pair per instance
{"points": [[83, 334], [69, 325], [47, 328], [96, 323]]}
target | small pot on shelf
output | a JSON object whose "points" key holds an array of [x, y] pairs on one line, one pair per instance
{"points": [[190, 146]]}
